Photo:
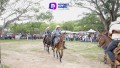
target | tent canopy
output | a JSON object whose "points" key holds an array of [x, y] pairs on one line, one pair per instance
{"points": [[91, 31], [65, 31]]}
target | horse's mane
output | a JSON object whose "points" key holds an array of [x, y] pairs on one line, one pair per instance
{"points": [[104, 38], [61, 37], [107, 35]]}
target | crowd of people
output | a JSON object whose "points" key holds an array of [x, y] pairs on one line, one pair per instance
{"points": [[20, 36], [91, 37], [86, 37]]}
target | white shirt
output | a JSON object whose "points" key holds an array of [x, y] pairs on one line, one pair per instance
{"points": [[115, 26]]}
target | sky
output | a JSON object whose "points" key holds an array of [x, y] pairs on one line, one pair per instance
{"points": [[60, 15], [72, 13]]}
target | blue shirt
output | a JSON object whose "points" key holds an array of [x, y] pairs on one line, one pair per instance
{"points": [[56, 32]]}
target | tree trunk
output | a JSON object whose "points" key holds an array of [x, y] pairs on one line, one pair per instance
{"points": [[107, 26]]}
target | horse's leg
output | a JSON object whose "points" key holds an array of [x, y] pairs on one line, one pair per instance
{"points": [[44, 46], [61, 53], [112, 66], [44, 43], [105, 58], [48, 49], [116, 66], [60, 56], [53, 52], [57, 53]]}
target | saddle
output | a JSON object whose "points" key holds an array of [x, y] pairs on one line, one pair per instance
{"points": [[117, 49]]}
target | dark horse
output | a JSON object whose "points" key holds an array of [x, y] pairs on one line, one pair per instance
{"points": [[59, 46], [104, 40], [47, 42]]}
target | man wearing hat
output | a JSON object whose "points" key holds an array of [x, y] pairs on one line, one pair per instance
{"points": [[56, 33], [47, 32], [115, 35]]}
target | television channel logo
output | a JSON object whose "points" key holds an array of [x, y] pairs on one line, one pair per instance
{"points": [[63, 5], [52, 5]]}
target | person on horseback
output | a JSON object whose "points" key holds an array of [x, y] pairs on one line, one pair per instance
{"points": [[114, 33], [47, 32], [56, 33]]}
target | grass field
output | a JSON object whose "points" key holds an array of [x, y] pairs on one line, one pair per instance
{"points": [[86, 49], [74, 52]]}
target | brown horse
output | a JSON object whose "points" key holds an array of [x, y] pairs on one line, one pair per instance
{"points": [[104, 40], [47, 42], [59, 46]]}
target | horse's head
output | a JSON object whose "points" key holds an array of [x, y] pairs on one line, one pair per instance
{"points": [[62, 37], [101, 39]]}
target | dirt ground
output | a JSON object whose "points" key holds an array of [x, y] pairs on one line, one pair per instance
{"points": [[32, 55]]}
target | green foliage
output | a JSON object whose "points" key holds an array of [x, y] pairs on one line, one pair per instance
{"points": [[43, 27], [52, 26], [30, 27], [68, 25], [45, 16], [91, 21], [107, 10]]}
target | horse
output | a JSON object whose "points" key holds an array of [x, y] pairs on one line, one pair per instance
{"points": [[47, 43], [104, 40], [59, 46]]}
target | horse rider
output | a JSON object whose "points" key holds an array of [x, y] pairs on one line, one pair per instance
{"points": [[47, 32], [56, 33], [114, 33]]}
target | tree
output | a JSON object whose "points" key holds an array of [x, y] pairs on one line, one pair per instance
{"points": [[43, 27], [3, 4], [52, 26], [107, 10], [10, 12], [68, 26], [13, 12], [91, 21], [30, 27], [44, 16]]}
